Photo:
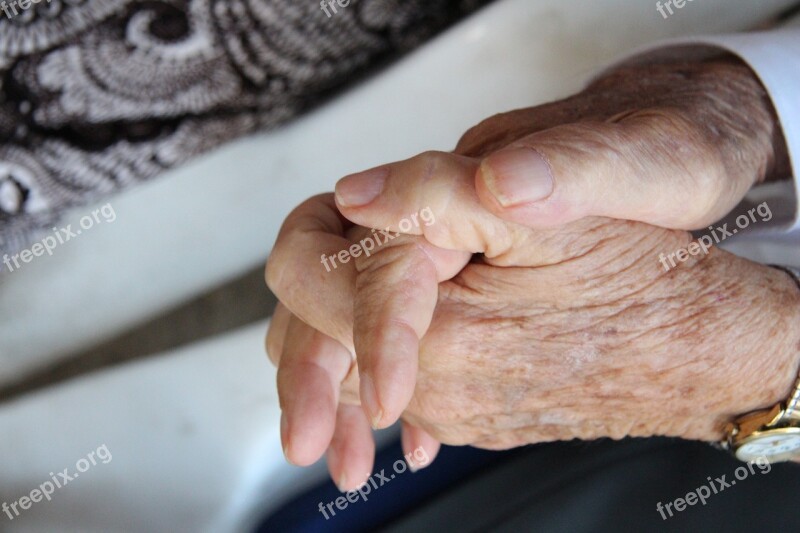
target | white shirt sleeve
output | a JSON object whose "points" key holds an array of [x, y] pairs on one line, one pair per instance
{"points": [[775, 57]]}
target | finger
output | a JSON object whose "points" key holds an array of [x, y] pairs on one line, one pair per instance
{"points": [[352, 451], [396, 295], [419, 447], [432, 194], [276, 333], [655, 167], [301, 274], [276, 338], [439, 188], [312, 368]]}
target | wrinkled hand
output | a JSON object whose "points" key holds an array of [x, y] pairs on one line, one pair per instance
{"points": [[612, 150], [574, 332]]}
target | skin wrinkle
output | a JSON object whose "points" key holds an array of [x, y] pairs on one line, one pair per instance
{"points": [[429, 261], [632, 294], [674, 329], [615, 317], [567, 256], [459, 290], [393, 257], [633, 262]]}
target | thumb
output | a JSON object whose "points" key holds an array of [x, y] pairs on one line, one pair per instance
{"points": [[655, 167]]}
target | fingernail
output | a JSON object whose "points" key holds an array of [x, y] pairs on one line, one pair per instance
{"points": [[369, 399], [285, 436], [517, 176], [342, 483], [360, 189]]}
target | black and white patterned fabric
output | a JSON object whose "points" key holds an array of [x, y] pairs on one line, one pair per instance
{"points": [[98, 95]]}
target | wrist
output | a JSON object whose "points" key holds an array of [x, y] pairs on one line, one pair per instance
{"points": [[741, 90], [751, 331], [721, 97]]}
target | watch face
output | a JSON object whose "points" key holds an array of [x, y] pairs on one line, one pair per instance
{"points": [[776, 445]]}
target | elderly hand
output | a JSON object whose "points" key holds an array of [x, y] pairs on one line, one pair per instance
{"points": [[314, 362], [574, 332]]}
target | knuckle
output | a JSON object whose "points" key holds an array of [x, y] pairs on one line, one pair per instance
{"points": [[438, 234], [436, 410], [390, 260], [273, 349], [472, 135], [486, 131], [273, 271], [428, 162]]}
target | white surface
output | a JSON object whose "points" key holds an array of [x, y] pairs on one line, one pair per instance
{"points": [[194, 440], [194, 433], [208, 221], [192, 436]]}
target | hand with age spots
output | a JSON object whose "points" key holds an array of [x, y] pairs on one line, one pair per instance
{"points": [[574, 332], [483, 331]]}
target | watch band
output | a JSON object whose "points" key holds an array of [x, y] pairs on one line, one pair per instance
{"points": [[792, 409]]}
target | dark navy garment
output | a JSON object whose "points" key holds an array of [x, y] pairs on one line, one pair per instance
{"points": [[574, 487]]}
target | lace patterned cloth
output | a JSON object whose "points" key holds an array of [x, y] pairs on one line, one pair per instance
{"points": [[97, 95]]}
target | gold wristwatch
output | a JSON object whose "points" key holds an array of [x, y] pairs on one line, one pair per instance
{"points": [[770, 433]]}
